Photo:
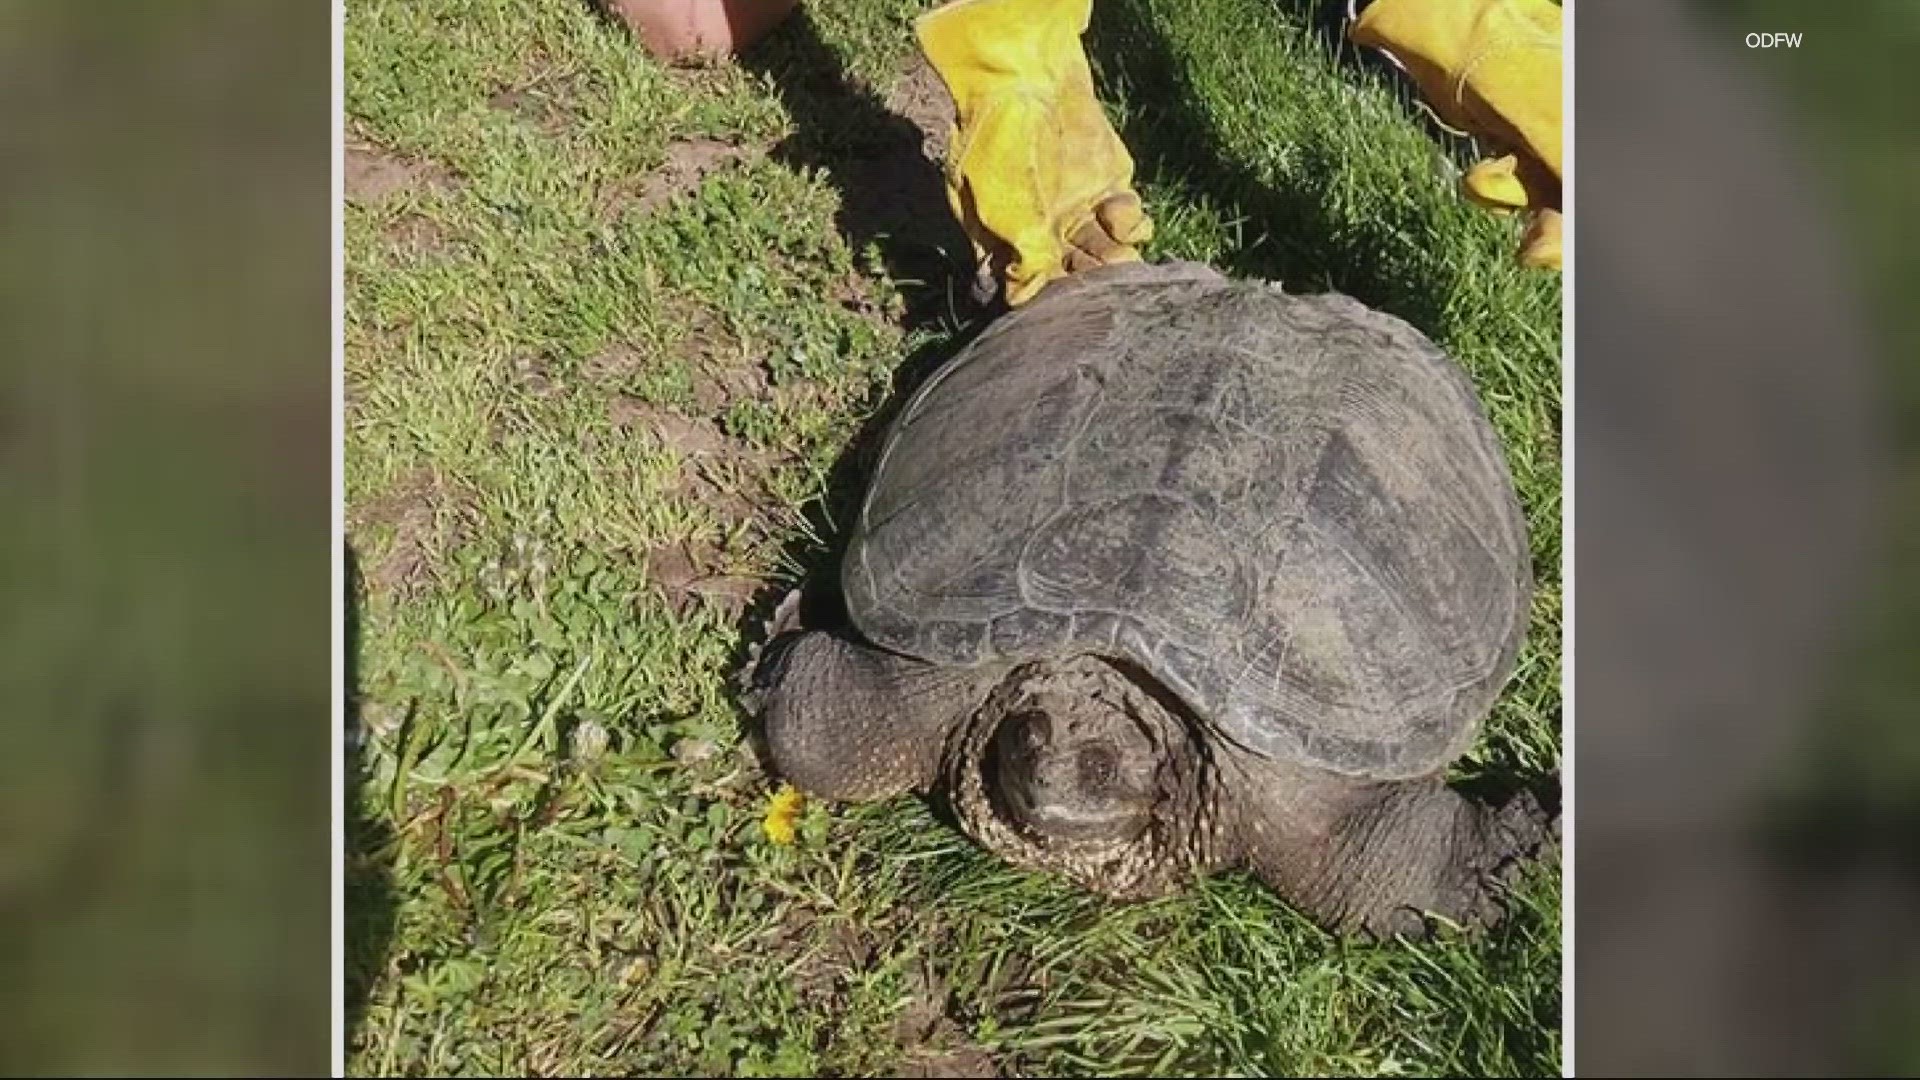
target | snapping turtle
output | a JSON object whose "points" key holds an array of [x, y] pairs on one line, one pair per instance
{"points": [[1168, 573]]}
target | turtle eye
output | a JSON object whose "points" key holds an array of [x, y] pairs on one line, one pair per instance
{"points": [[1035, 728]]}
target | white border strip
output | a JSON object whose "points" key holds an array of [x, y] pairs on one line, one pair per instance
{"points": [[1569, 290], [1567, 541], [338, 1054]]}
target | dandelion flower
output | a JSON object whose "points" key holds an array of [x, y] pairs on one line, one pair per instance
{"points": [[782, 811]]}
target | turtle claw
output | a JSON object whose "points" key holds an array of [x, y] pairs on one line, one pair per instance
{"points": [[784, 621], [1517, 834], [1476, 893]]}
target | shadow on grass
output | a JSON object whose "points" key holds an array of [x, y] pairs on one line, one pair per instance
{"points": [[1176, 144], [370, 903], [893, 204], [1327, 21], [892, 194]]}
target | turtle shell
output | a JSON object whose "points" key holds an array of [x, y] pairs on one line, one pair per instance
{"points": [[1291, 511]]}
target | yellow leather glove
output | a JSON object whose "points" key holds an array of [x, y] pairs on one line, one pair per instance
{"points": [[1036, 174], [1490, 68]]}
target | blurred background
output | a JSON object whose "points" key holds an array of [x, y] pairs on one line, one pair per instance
{"points": [[1746, 598], [164, 488], [1744, 618]]}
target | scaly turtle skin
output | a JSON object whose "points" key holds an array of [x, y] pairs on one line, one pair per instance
{"points": [[1168, 573]]}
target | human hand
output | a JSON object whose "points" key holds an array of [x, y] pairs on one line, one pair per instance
{"points": [[1492, 69], [1038, 177]]}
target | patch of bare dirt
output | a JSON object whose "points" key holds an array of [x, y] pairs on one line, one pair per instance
{"points": [[832, 956], [689, 572], [417, 235], [689, 162], [723, 373], [932, 1041], [412, 509], [541, 106], [853, 947], [366, 345], [609, 367], [921, 97], [723, 489], [534, 375], [965, 1061], [720, 473], [373, 173], [719, 383], [691, 437], [725, 474], [926, 1008]]}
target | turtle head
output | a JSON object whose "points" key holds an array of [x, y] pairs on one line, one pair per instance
{"points": [[1078, 774], [1074, 765]]}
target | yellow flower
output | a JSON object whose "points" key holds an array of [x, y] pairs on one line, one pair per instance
{"points": [[782, 811]]}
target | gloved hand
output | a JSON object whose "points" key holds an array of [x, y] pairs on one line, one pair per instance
{"points": [[1490, 68], [1035, 173]]}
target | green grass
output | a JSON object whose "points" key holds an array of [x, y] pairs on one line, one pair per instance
{"points": [[601, 403]]}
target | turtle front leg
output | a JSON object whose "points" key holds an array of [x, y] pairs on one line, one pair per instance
{"points": [[1375, 856], [849, 722]]}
